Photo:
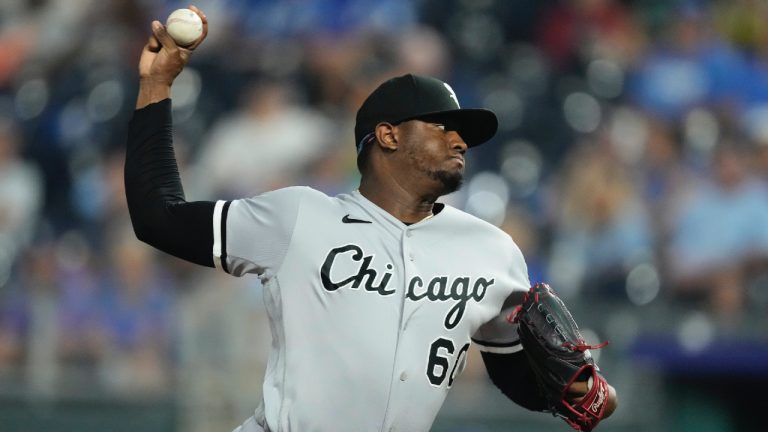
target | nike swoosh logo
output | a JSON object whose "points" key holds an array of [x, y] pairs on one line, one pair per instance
{"points": [[347, 219]]}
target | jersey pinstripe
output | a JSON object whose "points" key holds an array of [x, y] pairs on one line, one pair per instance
{"points": [[371, 319]]}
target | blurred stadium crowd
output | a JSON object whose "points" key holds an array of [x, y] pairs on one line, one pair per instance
{"points": [[631, 167]]}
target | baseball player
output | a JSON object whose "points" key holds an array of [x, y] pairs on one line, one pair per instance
{"points": [[374, 296]]}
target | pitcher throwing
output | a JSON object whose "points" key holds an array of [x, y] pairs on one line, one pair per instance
{"points": [[375, 295]]}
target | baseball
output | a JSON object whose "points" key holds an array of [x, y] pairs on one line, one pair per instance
{"points": [[184, 26]]}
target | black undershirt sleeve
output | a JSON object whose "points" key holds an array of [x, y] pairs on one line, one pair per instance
{"points": [[160, 214], [512, 374]]}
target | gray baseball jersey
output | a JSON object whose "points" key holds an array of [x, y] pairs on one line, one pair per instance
{"points": [[371, 319]]}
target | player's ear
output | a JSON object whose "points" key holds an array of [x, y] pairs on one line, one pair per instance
{"points": [[385, 136]]}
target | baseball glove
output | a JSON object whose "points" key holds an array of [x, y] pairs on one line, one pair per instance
{"points": [[559, 357]]}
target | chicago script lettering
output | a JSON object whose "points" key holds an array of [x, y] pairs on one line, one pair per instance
{"points": [[438, 289], [364, 271]]}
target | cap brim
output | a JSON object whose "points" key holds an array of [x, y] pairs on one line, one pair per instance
{"points": [[475, 125]]}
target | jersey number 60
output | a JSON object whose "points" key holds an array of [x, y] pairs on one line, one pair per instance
{"points": [[439, 361]]}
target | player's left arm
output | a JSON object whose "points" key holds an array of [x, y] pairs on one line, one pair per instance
{"points": [[560, 361], [513, 375], [503, 356], [507, 364]]}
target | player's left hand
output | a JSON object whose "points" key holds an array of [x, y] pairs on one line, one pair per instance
{"points": [[162, 59], [561, 360]]}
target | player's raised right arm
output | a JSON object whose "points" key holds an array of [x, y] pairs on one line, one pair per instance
{"points": [[159, 212]]}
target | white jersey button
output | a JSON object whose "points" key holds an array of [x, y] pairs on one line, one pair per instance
{"points": [[404, 376], [408, 233], [410, 256]]}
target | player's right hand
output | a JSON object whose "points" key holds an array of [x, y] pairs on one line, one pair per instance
{"points": [[162, 59]]}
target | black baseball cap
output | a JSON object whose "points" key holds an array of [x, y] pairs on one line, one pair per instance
{"points": [[412, 97]]}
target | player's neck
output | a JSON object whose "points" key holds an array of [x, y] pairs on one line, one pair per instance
{"points": [[406, 205]]}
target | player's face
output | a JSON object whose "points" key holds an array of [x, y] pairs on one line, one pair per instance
{"points": [[435, 150]]}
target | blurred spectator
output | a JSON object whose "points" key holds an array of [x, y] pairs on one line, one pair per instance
{"points": [[37, 284], [99, 196], [423, 51], [263, 144], [690, 66], [20, 196], [662, 166], [333, 172], [572, 33], [218, 358], [720, 232], [276, 19], [602, 229], [520, 225], [478, 32], [753, 94], [138, 314], [17, 37], [663, 178], [81, 336], [14, 324], [741, 22]]}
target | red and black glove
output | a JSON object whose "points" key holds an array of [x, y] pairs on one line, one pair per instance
{"points": [[559, 356]]}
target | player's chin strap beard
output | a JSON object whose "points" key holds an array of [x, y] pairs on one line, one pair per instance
{"points": [[451, 181]]}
